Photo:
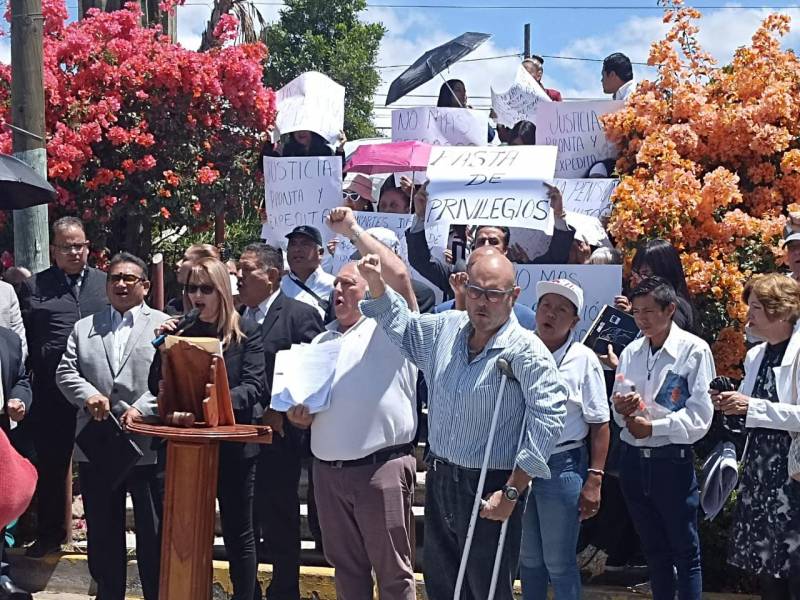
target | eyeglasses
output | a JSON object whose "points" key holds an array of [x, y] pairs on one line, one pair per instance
{"points": [[70, 248], [642, 274], [126, 278], [475, 292], [487, 241], [204, 289]]}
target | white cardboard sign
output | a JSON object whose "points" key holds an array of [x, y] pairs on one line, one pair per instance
{"points": [[575, 128], [313, 102], [600, 284], [591, 197], [490, 185], [520, 101], [300, 191], [440, 126]]}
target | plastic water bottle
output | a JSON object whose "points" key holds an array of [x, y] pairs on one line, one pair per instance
{"points": [[622, 385]]}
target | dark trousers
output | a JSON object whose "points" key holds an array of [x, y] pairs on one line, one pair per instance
{"points": [[662, 497], [449, 495], [235, 490], [53, 431], [277, 509], [105, 523]]}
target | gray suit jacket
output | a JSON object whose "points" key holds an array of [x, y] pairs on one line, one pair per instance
{"points": [[85, 370], [10, 315]]}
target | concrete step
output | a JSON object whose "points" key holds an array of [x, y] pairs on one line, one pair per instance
{"points": [[60, 575], [419, 502]]}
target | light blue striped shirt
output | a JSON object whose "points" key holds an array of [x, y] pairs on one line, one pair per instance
{"points": [[462, 394]]}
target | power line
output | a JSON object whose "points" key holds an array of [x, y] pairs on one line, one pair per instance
{"points": [[519, 56]]}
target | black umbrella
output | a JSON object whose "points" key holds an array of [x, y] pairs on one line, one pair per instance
{"points": [[21, 186], [433, 62]]}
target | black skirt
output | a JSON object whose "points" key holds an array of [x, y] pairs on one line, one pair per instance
{"points": [[765, 537]]}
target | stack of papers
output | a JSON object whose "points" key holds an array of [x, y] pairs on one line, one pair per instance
{"points": [[304, 375]]}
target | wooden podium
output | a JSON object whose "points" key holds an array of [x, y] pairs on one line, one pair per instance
{"points": [[195, 383], [191, 488]]}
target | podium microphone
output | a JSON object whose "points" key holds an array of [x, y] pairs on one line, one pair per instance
{"points": [[186, 321]]}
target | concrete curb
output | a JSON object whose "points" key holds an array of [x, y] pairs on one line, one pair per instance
{"points": [[69, 574]]}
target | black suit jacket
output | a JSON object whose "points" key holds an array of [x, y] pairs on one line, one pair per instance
{"points": [[288, 322], [12, 370], [50, 311]]}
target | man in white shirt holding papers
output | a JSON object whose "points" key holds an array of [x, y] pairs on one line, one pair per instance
{"points": [[668, 411], [363, 442]]}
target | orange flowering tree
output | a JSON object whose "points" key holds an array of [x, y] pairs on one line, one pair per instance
{"points": [[710, 160]]}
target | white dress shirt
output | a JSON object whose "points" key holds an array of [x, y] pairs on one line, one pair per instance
{"points": [[319, 282], [675, 391], [625, 90], [259, 313], [587, 402], [121, 326]]}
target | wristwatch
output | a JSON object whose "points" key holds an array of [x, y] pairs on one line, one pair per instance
{"points": [[510, 493]]}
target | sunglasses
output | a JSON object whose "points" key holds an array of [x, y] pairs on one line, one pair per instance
{"points": [[352, 196], [475, 292], [205, 289], [127, 278]]}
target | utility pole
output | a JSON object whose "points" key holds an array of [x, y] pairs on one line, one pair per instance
{"points": [[527, 40], [31, 236]]}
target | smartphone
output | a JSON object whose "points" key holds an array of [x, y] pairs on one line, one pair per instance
{"points": [[459, 249]]}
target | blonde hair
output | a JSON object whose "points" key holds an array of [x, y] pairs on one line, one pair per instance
{"points": [[779, 294], [212, 271]]}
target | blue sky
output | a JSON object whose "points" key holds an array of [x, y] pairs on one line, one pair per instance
{"points": [[588, 32]]}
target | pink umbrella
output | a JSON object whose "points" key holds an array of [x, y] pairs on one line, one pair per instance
{"points": [[389, 158]]}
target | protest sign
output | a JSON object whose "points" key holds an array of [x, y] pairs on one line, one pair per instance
{"points": [[300, 191], [490, 185], [311, 102], [520, 101], [440, 126], [590, 197], [600, 284], [397, 223], [575, 128]]}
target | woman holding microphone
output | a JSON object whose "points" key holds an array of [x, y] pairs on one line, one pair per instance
{"points": [[208, 289]]}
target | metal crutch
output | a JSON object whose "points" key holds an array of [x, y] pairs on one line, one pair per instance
{"points": [[505, 369]]}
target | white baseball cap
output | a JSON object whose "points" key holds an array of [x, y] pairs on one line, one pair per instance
{"points": [[561, 287], [385, 236]]}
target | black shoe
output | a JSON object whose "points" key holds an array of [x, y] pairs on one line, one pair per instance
{"points": [[8, 591], [41, 549]]}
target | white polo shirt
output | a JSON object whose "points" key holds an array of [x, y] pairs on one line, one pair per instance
{"points": [[676, 390], [373, 401], [587, 403]]}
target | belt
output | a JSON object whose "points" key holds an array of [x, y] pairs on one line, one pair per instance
{"points": [[568, 445], [669, 451], [435, 463], [379, 456]]}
